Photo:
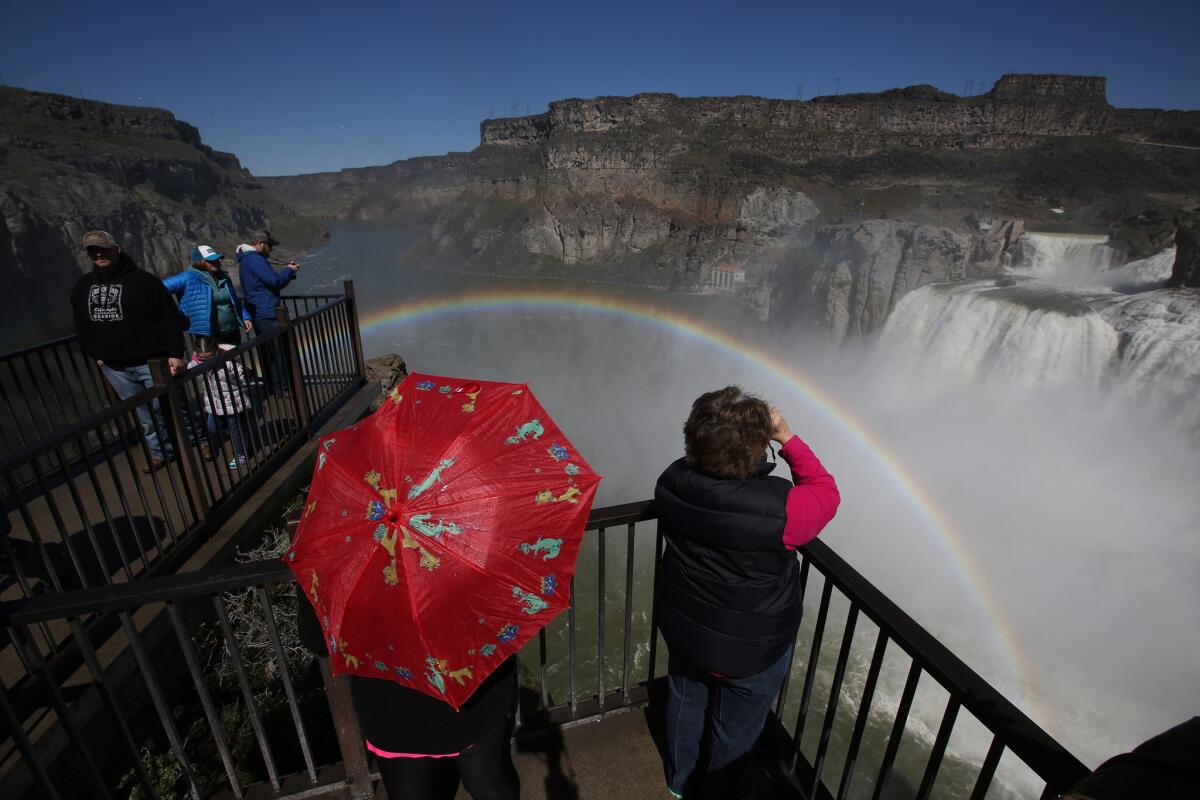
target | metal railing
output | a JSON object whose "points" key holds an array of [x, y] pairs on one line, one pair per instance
{"points": [[89, 504], [135, 686]]}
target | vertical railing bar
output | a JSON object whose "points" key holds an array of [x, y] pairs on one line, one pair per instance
{"points": [[62, 528], [344, 349], [571, 648], [161, 432], [127, 507], [26, 590], [658, 548], [105, 576], [235, 656], [627, 647], [864, 708], [286, 675], [987, 770], [939, 747], [781, 701], [810, 673], [206, 702], [65, 419], [31, 408], [159, 701], [20, 639], [30, 526], [602, 550], [542, 668], [893, 745], [134, 472], [81, 409], [835, 692], [216, 448], [110, 699], [18, 429], [319, 344], [24, 745]]}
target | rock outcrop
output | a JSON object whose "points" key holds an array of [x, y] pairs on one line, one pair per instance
{"points": [[69, 165], [856, 273]]}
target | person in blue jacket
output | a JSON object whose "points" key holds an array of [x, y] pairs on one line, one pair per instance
{"points": [[261, 286], [207, 299]]}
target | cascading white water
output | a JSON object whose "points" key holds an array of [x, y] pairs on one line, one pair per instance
{"points": [[1024, 334], [1143, 274], [1061, 258]]}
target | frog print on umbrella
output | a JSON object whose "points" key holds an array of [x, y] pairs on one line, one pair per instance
{"points": [[434, 477], [471, 393], [558, 452], [421, 524], [569, 495], [394, 395], [425, 386], [507, 634], [533, 429], [549, 585], [548, 546], [533, 603]]}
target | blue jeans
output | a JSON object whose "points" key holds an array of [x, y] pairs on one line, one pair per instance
{"points": [[128, 381], [272, 357], [230, 424], [733, 709]]}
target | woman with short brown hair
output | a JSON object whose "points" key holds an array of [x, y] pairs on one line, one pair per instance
{"points": [[727, 597]]}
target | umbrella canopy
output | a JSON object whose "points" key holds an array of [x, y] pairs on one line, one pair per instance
{"points": [[440, 533]]}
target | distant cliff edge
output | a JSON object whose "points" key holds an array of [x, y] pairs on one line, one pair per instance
{"points": [[659, 190], [68, 165]]}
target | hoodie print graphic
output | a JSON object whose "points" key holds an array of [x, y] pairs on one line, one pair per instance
{"points": [[104, 302]]}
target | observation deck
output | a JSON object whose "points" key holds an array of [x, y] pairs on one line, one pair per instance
{"points": [[137, 657]]}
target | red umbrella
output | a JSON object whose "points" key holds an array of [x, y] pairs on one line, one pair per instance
{"points": [[440, 533]]}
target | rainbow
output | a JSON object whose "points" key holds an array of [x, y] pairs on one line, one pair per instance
{"points": [[629, 309]]}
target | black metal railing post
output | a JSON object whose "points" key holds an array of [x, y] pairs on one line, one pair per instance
{"points": [[178, 430], [291, 354], [349, 735], [355, 332]]}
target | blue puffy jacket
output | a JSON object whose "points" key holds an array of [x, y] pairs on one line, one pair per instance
{"points": [[195, 296], [260, 284]]}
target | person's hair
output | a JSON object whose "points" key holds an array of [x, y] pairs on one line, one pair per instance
{"points": [[726, 433], [206, 344]]}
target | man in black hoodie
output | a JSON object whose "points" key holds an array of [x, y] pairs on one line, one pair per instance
{"points": [[123, 318]]}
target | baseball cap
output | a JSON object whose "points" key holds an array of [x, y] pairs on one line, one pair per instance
{"points": [[203, 252], [262, 236], [98, 239]]}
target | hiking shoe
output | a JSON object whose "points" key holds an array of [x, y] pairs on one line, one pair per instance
{"points": [[237, 463], [154, 465], [675, 794]]}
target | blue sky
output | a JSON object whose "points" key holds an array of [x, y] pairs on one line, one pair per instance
{"points": [[305, 87]]}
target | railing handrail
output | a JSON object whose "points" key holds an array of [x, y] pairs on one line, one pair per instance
{"points": [[997, 713], [1009, 726], [209, 581], [69, 433], [111, 412], [33, 348]]}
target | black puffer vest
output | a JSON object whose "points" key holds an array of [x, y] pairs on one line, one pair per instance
{"points": [[728, 595]]}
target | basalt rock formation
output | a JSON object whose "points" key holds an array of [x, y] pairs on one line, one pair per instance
{"points": [[70, 165], [657, 190]]}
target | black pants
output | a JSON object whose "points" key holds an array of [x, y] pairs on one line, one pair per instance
{"points": [[486, 770]]}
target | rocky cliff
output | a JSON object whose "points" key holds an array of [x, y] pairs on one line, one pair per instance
{"points": [[69, 165], [657, 190]]}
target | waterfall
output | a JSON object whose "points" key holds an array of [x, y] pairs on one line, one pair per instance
{"points": [[1059, 258], [1024, 334]]}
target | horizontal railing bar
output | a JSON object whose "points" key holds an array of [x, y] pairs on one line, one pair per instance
{"points": [[75, 430], [206, 582], [1017, 731], [33, 348]]}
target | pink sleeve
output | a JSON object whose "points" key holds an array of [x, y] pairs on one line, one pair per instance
{"points": [[814, 499]]}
